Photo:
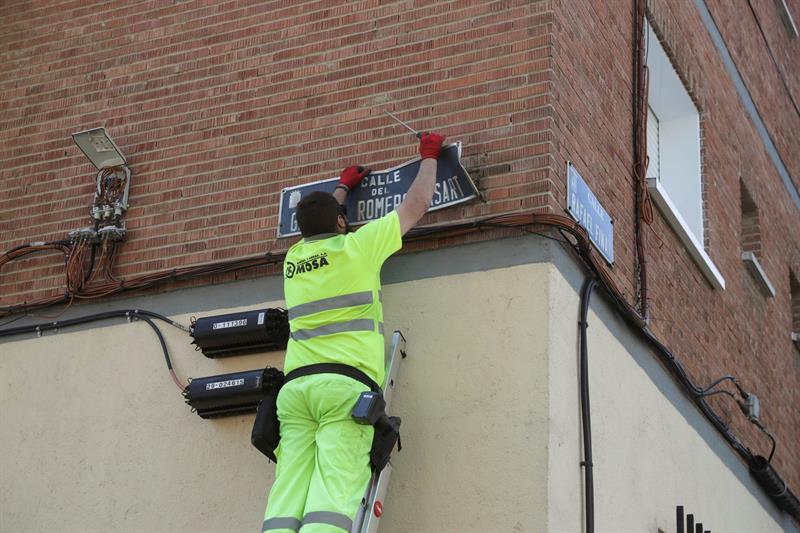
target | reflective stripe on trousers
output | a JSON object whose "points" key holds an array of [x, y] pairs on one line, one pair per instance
{"points": [[281, 522], [315, 517]]}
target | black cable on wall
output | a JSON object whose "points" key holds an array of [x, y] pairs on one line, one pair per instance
{"points": [[586, 417], [137, 314]]}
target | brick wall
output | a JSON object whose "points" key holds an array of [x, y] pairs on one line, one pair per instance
{"points": [[220, 105], [713, 332], [776, 92]]}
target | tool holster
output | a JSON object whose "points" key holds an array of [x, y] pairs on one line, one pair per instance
{"points": [[266, 432]]}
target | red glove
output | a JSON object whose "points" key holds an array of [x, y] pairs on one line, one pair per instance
{"points": [[352, 176], [430, 144]]}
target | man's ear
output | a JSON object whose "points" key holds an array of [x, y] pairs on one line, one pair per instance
{"points": [[341, 224]]}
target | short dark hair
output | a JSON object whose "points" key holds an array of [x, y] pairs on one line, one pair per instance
{"points": [[317, 213]]}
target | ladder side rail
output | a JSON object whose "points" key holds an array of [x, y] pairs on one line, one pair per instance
{"points": [[393, 360], [378, 495], [365, 520]]}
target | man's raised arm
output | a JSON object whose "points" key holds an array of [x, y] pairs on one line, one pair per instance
{"points": [[419, 196]]}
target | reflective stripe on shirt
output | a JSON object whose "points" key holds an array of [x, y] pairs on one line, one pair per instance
{"points": [[361, 324], [327, 304]]}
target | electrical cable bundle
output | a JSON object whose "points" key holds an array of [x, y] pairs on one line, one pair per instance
{"points": [[76, 259], [25, 249], [114, 285], [523, 221], [528, 222], [641, 161], [178, 274], [110, 187], [131, 314], [108, 253]]}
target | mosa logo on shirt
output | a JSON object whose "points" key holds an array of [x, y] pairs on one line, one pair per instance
{"points": [[306, 265]]}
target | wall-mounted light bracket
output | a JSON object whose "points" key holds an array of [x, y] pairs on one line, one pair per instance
{"points": [[99, 148]]}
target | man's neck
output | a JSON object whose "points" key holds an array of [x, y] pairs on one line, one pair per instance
{"points": [[320, 236]]}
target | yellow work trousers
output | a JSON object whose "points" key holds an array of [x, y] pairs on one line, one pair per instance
{"points": [[323, 457]]}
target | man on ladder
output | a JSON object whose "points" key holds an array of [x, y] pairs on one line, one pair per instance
{"points": [[335, 353]]}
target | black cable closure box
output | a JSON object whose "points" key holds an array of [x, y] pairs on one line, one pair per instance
{"points": [[241, 333], [226, 394]]}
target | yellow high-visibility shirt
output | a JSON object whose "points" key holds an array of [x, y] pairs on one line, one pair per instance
{"points": [[332, 287]]}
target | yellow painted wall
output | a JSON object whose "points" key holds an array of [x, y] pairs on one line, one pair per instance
{"points": [[96, 437], [648, 456], [474, 400]]}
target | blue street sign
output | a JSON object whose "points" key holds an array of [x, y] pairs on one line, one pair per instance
{"points": [[382, 191], [584, 207]]}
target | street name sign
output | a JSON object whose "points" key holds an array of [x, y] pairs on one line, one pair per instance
{"points": [[382, 191], [585, 208]]}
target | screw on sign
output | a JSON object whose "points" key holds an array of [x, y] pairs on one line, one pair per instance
{"points": [[377, 508]]}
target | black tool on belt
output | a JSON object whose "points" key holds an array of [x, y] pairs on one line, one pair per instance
{"points": [[369, 410]]}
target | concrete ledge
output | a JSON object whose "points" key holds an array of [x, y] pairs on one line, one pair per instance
{"points": [[681, 228], [754, 267]]}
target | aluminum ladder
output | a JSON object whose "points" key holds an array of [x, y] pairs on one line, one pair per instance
{"points": [[370, 509]]}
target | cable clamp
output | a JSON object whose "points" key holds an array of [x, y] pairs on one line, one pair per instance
{"points": [[589, 464], [784, 491], [583, 323]]}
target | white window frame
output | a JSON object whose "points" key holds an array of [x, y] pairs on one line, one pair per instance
{"points": [[673, 175]]}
